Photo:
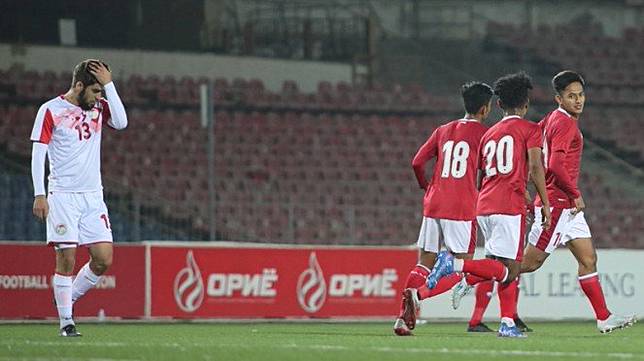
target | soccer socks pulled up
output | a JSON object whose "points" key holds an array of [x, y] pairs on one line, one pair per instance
{"points": [[508, 300], [63, 296], [84, 281], [592, 288], [489, 269], [483, 296], [416, 278], [444, 284]]}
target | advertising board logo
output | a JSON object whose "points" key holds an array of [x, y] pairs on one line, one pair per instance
{"points": [[313, 290], [311, 287], [188, 286]]}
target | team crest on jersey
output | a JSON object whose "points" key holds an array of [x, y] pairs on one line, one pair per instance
{"points": [[61, 229]]}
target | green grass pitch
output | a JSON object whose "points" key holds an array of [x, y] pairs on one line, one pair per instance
{"points": [[313, 341]]}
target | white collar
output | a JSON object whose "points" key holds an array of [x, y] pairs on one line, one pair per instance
{"points": [[510, 116], [564, 111]]}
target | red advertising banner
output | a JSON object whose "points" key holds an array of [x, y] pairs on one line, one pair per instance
{"points": [[196, 282], [25, 282]]}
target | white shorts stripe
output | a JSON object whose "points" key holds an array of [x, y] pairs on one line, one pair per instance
{"points": [[567, 228]]}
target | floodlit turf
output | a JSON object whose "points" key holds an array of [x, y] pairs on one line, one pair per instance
{"points": [[314, 341]]}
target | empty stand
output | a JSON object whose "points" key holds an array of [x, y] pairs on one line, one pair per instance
{"points": [[328, 167]]}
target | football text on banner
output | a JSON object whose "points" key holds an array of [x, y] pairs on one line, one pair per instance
{"points": [[26, 288]]}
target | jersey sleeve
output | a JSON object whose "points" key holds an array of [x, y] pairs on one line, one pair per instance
{"points": [[561, 135], [43, 126], [115, 109], [480, 162], [534, 137], [426, 152], [107, 114]]}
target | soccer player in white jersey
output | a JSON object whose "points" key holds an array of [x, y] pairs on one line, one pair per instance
{"points": [[68, 130]]}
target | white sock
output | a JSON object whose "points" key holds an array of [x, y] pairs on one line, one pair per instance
{"points": [[63, 296], [85, 280], [458, 265], [508, 321]]}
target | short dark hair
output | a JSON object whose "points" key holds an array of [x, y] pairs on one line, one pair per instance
{"points": [[82, 74], [475, 95], [512, 89], [565, 78]]}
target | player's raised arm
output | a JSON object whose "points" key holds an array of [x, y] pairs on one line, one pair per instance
{"points": [[426, 152], [118, 117]]}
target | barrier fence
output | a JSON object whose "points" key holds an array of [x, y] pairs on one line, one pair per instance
{"points": [[195, 280]]}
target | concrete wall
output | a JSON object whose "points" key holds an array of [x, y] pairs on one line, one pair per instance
{"points": [[125, 62]]}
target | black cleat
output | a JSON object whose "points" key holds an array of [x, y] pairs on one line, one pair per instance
{"points": [[481, 327], [521, 325], [69, 331]]}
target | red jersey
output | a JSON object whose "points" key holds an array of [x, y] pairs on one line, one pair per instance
{"points": [[452, 192], [504, 161], [562, 148]]}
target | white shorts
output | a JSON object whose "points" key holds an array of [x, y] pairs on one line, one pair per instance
{"points": [[565, 227], [77, 219], [504, 235], [457, 236]]}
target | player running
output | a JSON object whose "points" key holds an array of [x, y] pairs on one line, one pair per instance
{"points": [[68, 130], [509, 149], [562, 149], [450, 199]]}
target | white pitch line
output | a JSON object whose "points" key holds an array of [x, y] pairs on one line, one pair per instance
{"points": [[612, 355], [616, 355]]}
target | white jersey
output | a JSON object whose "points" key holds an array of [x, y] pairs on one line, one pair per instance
{"points": [[73, 137]]}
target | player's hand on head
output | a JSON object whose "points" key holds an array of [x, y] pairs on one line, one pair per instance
{"points": [[41, 208], [579, 205], [546, 217], [100, 71]]}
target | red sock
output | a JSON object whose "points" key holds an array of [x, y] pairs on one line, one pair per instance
{"points": [[490, 269], [483, 297], [473, 280], [444, 284], [416, 278], [508, 299], [593, 290]]}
